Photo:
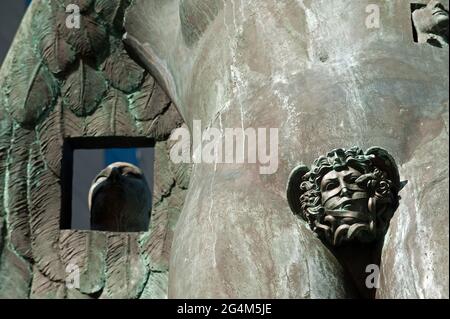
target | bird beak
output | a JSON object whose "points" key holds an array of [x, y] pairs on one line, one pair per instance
{"points": [[114, 175]]}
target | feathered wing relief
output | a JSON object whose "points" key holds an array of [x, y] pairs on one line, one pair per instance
{"points": [[85, 250], [56, 53], [33, 91], [112, 11], [150, 94], [16, 187], [51, 138], [62, 83], [90, 40], [45, 206], [125, 270], [83, 90], [112, 117], [122, 72]]}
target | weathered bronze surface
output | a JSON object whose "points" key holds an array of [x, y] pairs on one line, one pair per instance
{"points": [[312, 69], [56, 84], [347, 195]]}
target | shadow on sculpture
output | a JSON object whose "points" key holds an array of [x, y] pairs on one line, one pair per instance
{"points": [[430, 23], [348, 198]]}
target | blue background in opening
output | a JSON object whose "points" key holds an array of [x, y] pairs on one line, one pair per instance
{"points": [[121, 155]]}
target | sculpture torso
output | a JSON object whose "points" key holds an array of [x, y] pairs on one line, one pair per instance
{"points": [[316, 71]]}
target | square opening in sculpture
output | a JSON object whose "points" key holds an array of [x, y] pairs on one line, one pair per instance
{"points": [[107, 184]]}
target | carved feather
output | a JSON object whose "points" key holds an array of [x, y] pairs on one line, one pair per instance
{"points": [[50, 138], [150, 101], [5, 143], [17, 188], [89, 40], [15, 276], [44, 288], [156, 286], [83, 90], [161, 127], [125, 270], [168, 198], [152, 246], [112, 11], [163, 183], [180, 171], [73, 247], [122, 72], [72, 125], [34, 89], [87, 251], [44, 206], [56, 53], [164, 218], [112, 118], [84, 5]]}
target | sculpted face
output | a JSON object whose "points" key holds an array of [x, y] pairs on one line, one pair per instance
{"points": [[431, 20], [347, 195], [119, 199], [346, 205], [338, 189]]}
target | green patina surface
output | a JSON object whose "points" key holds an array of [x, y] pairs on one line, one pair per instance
{"points": [[58, 83]]}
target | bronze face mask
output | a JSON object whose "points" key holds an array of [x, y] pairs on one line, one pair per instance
{"points": [[347, 195]]}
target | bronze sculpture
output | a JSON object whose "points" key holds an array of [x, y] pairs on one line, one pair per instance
{"points": [[311, 68], [347, 194], [119, 199], [431, 24], [105, 94]]}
